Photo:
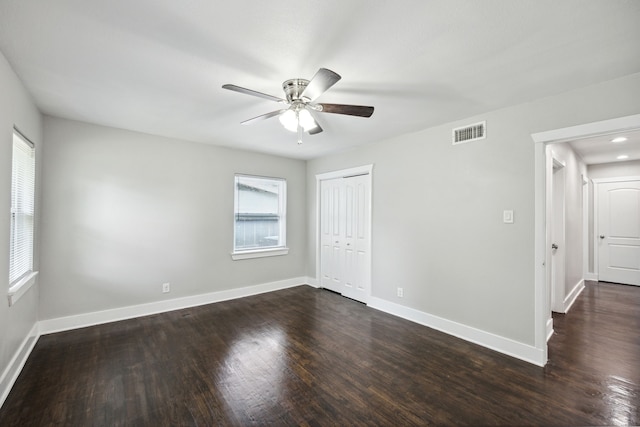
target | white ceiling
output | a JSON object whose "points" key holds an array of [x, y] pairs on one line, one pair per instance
{"points": [[157, 66], [602, 149]]}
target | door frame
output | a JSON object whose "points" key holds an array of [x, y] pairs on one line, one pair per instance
{"points": [[541, 139], [345, 173], [596, 216]]}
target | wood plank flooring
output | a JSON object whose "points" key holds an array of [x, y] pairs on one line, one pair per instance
{"points": [[304, 356]]}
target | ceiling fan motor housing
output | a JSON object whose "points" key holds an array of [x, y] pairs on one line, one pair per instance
{"points": [[293, 88]]}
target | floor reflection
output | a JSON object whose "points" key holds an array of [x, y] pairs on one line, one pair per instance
{"points": [[622, 399], [252, 376]]}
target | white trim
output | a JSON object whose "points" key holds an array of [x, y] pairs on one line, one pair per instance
{"points": [[503, 345], [591, 276], [59, 324], [616, 179], [312, 281], [573, 295], [540, 139], [542, 310], [358, 170], [259, 253], [603, 127], [21, 287], [13, 369], [549, 328], [557, 163]]}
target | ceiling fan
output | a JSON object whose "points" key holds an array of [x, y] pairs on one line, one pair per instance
{"points": [[300, 95]]}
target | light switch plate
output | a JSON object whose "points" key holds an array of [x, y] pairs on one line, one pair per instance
{"points": [[507, 217]]}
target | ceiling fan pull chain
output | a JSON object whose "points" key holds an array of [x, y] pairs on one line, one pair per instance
{"points": [[300, 129]]}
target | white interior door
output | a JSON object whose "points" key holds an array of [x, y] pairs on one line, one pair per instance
{"points": [[356, 237], [344, 241], [558, 258], [619, 232], [331, 205]]}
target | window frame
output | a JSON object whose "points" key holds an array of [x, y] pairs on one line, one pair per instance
{"points": [[262, 251], [19, 284]]}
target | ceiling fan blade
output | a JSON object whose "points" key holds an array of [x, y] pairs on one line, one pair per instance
{"points": [[351, 110], [252, 92], [263, 117], [322, 81], [317, 129]]}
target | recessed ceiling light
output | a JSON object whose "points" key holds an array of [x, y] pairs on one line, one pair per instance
{"points": [[619, 139], [622, 157]]}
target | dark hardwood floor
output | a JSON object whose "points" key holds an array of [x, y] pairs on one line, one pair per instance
{"points": [[304, 356]]}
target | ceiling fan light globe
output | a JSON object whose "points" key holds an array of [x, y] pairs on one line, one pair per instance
{"points": [[306, 120], [289, 120]]}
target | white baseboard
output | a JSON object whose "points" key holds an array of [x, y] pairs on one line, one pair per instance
{"points": [[504, 345], [591, 276], [573, 295], [10, 374], [312, 281], [59, 324], [549, 328]]}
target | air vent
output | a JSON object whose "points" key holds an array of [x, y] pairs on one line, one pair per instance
{"points": [[470, 133]]}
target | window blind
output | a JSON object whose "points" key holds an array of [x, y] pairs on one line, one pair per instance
{"points": [[22, 208]]}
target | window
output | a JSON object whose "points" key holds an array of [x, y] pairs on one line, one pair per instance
{"points": [[22, 216], [260, 217]]}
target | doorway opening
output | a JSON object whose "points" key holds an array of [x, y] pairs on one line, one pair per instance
{"points": [[543, 169]]}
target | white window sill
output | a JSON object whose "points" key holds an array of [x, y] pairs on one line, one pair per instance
{"points": [[21, 287], [259, 253]]}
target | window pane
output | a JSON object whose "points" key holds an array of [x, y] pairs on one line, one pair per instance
{"points": [[22, 208], [259, 218]]}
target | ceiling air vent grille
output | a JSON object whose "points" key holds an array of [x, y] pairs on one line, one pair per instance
{"points": [[469, 133]]}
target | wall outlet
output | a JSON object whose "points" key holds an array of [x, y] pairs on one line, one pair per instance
{"points": [[166, 287], [400, 292]]}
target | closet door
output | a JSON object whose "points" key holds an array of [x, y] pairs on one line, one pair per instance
{"points": [[345, 216], [331, 231], [356, 238]]}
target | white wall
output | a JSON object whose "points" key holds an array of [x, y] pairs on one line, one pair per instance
{"points": [[16, 109], [614, 170], [437, 210], [124, 212]]}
